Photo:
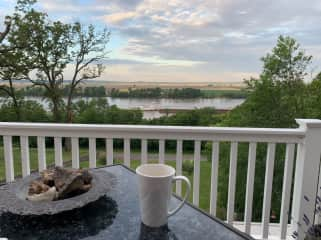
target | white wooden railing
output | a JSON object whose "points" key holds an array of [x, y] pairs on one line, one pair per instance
{"points": [[304, 142]]}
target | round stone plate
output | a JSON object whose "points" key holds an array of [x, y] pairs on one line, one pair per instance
{"points": [[13, 195]]}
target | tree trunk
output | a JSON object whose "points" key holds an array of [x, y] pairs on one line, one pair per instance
{"points": [[15, 101], [55, 109], [6, 31], [17, 109], [69, 119], [69, 116]]}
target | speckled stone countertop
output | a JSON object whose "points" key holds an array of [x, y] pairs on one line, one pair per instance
{"points": [[121, 220]]}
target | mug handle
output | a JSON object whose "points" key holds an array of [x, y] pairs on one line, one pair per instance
{"points": [[185, 179]]}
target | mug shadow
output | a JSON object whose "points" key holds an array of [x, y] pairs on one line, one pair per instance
{"points": [[159, 233]]}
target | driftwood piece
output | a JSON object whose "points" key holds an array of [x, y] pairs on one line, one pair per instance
{"points": [[47, 177], [49, 195], [66, 182], [37, 187], [70, 182]]}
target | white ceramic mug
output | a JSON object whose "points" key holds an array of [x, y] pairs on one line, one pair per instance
{"points": [[155, 191]]}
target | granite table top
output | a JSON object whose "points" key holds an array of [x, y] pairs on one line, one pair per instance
{"points": [[117, 217]]}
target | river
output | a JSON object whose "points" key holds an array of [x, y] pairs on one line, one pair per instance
{"points": [[154, 107]]}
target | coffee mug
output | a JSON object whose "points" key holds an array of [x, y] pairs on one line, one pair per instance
{"points": [[155, 191]]}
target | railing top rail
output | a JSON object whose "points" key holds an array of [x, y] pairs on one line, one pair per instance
{"points": [[152, 132]]}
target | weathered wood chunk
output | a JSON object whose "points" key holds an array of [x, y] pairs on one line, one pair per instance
{"points": [[66, 182]]}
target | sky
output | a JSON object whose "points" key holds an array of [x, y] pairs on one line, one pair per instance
{"points": [[191, 40]]}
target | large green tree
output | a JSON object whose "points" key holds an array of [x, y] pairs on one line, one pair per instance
{"points": [[88, 50], [55, 46], [14, 64], [277, 97]]}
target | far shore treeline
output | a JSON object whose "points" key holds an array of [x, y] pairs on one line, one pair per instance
{"points": [[101, 91], [284, 90]]}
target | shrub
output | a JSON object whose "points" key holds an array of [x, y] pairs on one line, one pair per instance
{"points": [[188, 167]]}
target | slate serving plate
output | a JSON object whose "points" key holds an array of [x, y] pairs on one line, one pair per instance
{"points": [[13, 196]]}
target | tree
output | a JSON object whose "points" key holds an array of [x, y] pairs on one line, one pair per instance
{"points": [[277, 97], [49, 43], [54, 46], [23, 6], [31, 111], [14, 65], [87, 49], [287, 62]]}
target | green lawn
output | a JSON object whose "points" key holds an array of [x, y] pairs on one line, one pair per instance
{"points": [[50, 159], [204, 180]]}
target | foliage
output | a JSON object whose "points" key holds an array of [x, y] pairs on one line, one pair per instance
{"points": [[182, 93], [157, 93], [93, 91], [196, 117], [287, 62], [136, 93], [224, 93], [176, 93], [278, 96], [33, 91], [48, 44], [31, 111], [313, 106], [275, 99], [87, 50], [98, 111], [52, 46], [188, 167], [14, 64]]}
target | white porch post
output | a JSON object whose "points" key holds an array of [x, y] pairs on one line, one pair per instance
{"points": [[306, 176]]}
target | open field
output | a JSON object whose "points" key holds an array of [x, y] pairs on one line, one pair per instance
{"points": [[166, 85], [141, 85]]}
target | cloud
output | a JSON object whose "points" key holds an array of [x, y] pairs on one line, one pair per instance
{"points": [[153, 73], [117, 18], [233, 34], [206, 39]]}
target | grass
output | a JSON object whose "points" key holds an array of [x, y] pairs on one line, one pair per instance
{"points": [[50, 159], [205, 167]]}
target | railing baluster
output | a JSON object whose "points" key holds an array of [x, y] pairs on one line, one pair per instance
{"points": [[179, 160], [231, 186], [127, 152], [58, 152], [144, 151], [268, 190], [8, 158], [214, 177], [75, 152], [161, 152], [41, 147], [25, 159], [250, 186], [196, 182], [110, 151], [287, 181], [92, 152]]}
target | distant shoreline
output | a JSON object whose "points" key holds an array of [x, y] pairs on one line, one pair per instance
{"points": [[139, 85]]}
